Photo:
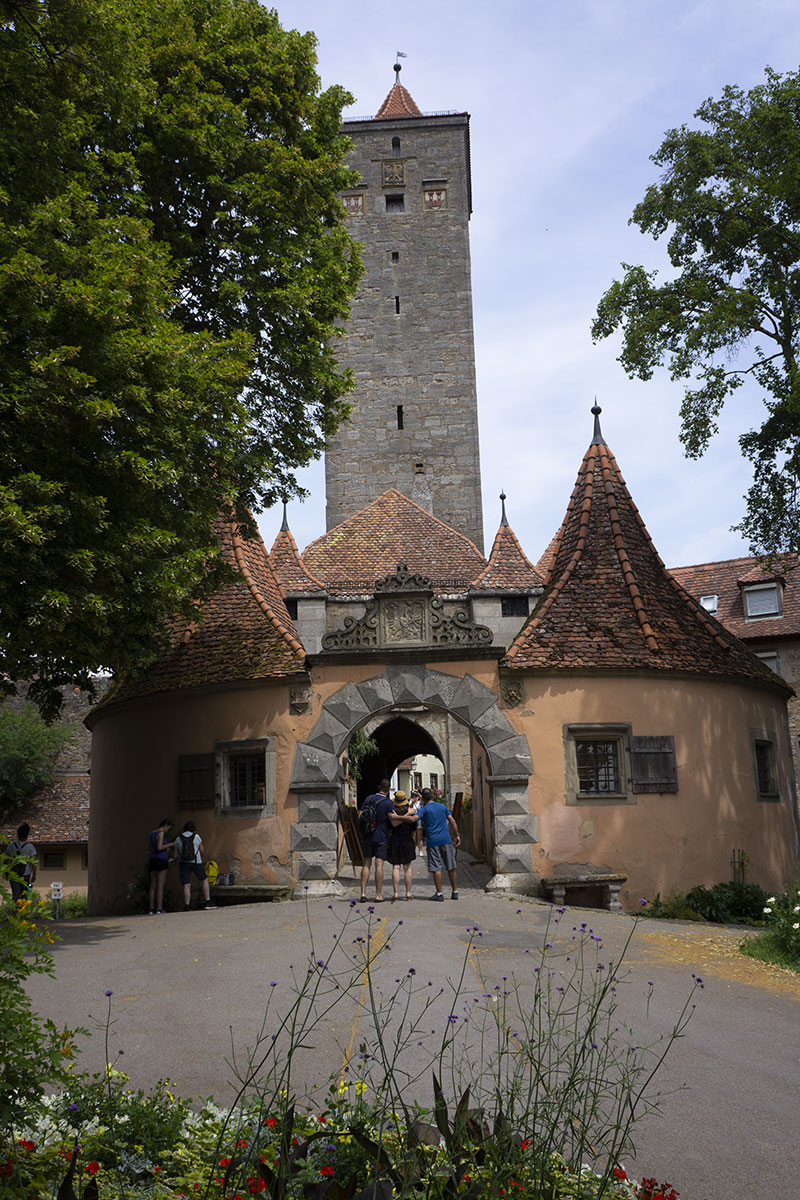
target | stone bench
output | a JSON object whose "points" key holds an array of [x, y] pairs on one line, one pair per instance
{"points": [[557, 886], [250, 893]]}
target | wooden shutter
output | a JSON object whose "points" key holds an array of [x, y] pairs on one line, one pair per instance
{"points": [[196, 783], [653, 764]]}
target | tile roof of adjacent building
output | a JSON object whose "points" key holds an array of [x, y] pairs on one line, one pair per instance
{"points": [[288, 565], [57, 814], [508, 568], [244, 631], [390, 529], [611, 605], [723, 580], [398, 103]]}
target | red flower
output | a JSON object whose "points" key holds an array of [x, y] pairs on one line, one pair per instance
{"points": [[91, 1168], [327, 1171], [241, 1144], [322, 1120], [224, 1162], [524, 1145], [26, 1145], [620, 1173], [270, 1120]]}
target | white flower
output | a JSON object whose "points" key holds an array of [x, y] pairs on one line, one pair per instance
{"points": [[796, 925], [767, 910], [797, 908], [770, 899]]}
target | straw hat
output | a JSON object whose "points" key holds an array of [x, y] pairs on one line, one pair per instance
{"points": [[400, 800]]}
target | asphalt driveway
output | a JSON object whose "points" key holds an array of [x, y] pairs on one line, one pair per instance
{"points": [[189, 987]]}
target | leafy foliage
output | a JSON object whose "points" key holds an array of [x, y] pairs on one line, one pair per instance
{"points": [[359, 747], [173, 269], [728, 202], [724, 903], [780, 942], [33, 1053], [28, 746]]}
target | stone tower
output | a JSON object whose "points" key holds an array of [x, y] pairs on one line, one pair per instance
{"points": [[410, 341]]}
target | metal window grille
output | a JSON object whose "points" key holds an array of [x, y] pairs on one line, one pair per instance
{"points": [[598, 766], [766, 783], [247, 780]]}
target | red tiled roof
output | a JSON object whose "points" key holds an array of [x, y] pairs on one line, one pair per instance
{"points": [[610, 603], [288, 566], [244, 631], [389, 530], [398, 103], [508, 568], [545, 563], [722, 579], [57, 814]]}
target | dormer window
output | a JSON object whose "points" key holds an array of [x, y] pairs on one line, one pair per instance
{"points": [[762, 600], [710, 603]]}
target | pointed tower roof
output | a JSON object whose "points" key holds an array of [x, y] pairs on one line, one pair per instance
{"points": [[610, 604], [508, 569], [388, 530], [287, 564], [243, 631], [399, 102]]}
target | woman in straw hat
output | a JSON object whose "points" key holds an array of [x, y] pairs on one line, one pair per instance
{"points": [[402, 848]]}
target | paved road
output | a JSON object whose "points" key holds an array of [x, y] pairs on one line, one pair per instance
{"points": [[188, 986]]}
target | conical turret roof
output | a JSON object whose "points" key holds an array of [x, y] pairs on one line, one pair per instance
{"points": [[398, 103], [243, 631], [508, 567], [611, 605], [287, 564]]}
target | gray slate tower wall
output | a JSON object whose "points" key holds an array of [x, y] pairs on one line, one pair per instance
{"points": [[410, 339]]}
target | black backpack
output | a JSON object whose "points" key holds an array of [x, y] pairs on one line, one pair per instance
{"points": [[188, 852], [368, 817]]}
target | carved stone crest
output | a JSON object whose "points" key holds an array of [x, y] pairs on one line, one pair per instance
{"points": [[300, 698], [393, 172], [404, 613]]}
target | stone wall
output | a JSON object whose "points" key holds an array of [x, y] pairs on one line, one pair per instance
{"points": [[410, 338]]}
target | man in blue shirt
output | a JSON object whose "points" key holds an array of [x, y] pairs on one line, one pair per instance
{"points": [[438, 826], [376, 843]]}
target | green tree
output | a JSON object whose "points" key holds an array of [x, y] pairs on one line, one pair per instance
{"points": [[28, 747], [729, 203], [173, 270]]}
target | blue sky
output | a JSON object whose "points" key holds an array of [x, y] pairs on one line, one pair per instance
{"points": [[567, 101]]}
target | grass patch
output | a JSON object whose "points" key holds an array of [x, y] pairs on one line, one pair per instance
{"points": [[768, 948]]}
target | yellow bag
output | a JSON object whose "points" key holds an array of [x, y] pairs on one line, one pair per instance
{"points": [[212, 872]]}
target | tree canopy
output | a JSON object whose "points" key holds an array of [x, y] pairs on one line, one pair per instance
{"points": [[173, 270], [729, 203]]}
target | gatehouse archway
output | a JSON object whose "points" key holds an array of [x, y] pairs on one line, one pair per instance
{"points": [[317, 777]]}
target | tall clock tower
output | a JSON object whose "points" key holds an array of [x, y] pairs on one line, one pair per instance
{"points": [[410, 342]]}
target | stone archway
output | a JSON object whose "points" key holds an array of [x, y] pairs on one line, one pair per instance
{"points": [[317, 777]]}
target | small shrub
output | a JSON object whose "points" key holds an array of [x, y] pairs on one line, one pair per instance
{"points": [[728, 903], [74, 904], [780, 942], [673, 907]]}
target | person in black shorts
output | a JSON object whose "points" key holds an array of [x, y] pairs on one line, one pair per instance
{"points": [[402, 843], [190, 858], [376, 843], [159, 861]]}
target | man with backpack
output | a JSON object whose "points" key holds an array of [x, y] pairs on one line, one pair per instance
{"points": [[21, 875], [189, 845], [373, 826]]}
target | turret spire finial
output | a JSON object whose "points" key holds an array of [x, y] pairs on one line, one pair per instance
{"points": [[596, 410], [503, 518], [285, 524], [398, 66]]}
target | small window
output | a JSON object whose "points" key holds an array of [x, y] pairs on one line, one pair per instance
{"points": [[399, 416], [765, 764], [514, 606], [763, 600], [396, 146], [397, 304], [395, 256], [84, 858], [395, 204], [434, 781], [417, 781], [291, 608], [54, 860], [598, 766], [710, 603], [770, 659], [246, 774], [247, 780]]}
